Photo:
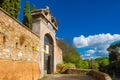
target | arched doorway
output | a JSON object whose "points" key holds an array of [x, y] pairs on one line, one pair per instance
{"points": [[48, 54]]}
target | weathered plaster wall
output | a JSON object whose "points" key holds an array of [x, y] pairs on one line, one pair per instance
{"points": [[59, 58], [18, 70]]}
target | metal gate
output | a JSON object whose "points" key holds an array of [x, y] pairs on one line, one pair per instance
{"points": [[48, 58]]}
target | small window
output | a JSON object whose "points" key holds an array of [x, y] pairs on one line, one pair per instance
{"points": [[46, 13], [53, 20], [32, 48], [16, 45], [4, 39], [25, 46]]}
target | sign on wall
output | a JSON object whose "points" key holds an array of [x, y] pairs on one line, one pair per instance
{"points": [[36, 48]]}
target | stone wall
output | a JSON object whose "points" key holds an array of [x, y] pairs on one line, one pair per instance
{"points": [[17, 42], [99, 75], [19, 50], [18, 70], [96, 74], [77, 71]]}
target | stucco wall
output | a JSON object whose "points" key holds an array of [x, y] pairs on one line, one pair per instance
{"points": [[59, 58], [18, 70]]}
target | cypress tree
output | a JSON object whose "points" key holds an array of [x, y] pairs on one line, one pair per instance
{"points": [[33, 7], [27, 16]]}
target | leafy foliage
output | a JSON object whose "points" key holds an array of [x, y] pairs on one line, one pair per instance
{"points": [[93, 64], [1, 1], [11, 6], [114, 59], [61, 68], [70, 55], [83, 64], [103, 60], [27, 16]]}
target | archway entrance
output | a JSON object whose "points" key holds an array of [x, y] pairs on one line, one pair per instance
{"points": [[48, 54]]}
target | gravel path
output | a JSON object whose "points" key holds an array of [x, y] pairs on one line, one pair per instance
{"points": [[68, 77]]}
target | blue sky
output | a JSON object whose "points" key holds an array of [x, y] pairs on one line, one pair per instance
{"points": [[85, 21]]}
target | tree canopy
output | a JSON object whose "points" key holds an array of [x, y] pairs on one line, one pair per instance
{"points": [[11, 6], [33, 7], [70, 54], [114, 59]]}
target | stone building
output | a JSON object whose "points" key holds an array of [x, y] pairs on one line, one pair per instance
{"points": [[28, 54]]}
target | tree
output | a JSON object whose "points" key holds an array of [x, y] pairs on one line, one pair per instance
{"points": [[104, 60], [11, 6], [93, 64], [27, 16], [63, 46], [114, 59], [1, 1], [70, 55], [83, 64], [33, 7]]}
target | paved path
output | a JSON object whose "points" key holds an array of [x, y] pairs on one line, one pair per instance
{"points": [[67, 77]]}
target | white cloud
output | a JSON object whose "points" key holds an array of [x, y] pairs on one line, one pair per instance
{"points": [[94, 40], [90, 52], [87, 55], [83, 41], [99, 43]]}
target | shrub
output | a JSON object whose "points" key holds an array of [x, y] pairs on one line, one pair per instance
{"points": [[61, 68]]}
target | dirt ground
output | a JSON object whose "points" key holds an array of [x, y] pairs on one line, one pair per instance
{"points": [[67, 77]]}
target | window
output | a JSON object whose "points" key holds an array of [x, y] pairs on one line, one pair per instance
{"points": [[4, 39], [16, 45]]}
